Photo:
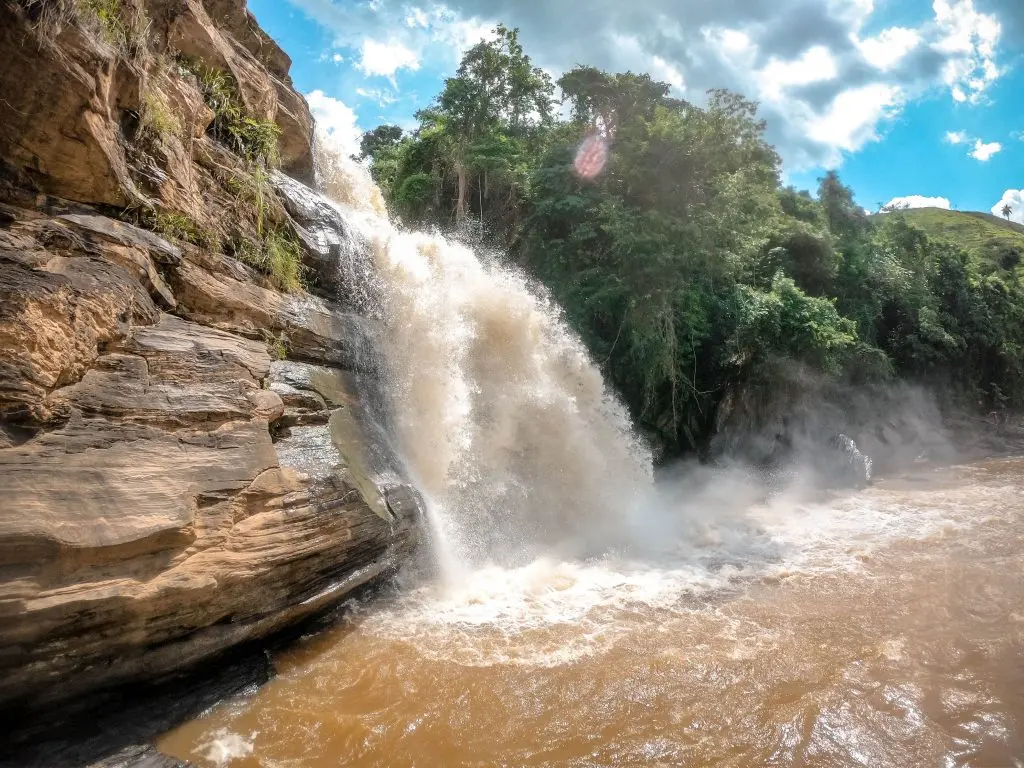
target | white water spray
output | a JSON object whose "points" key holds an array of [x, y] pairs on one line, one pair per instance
{"points": [[506, 424]]}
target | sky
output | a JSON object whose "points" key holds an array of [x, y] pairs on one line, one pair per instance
{"points": [[913, 101]]}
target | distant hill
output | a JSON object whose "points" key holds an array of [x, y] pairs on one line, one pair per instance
{"points": [[988, 237]]}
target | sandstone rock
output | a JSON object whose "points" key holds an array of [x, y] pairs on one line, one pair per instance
{"points": [[233, 17], [158, 525], [296, 141], [167, 495], [314, 329], [53, 319], [185, 102], [194, 34], [61, 116]]}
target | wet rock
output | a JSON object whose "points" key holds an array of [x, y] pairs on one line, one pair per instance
{"points": [[312, 328], [340, 260], [150, 520], [140, 757], [165, 501], [354, 429]]}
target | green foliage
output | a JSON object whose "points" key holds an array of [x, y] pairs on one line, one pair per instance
{"points": [[279, 348], [786, 322], [180, 226], [277, 255], [379, 140], [156, 121], [253, 138], [683, 265], [123, 26], [254, 190], [471, 156], [984, 236]]}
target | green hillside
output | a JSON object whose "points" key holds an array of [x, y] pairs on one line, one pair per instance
{"points": [[986, 236]]}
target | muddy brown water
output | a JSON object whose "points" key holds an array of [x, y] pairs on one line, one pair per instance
{"points": [[884, 628]]}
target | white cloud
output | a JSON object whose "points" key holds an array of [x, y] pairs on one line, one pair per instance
{"points": [[337, 58], [917, 201], [814, 66], [984, 152], [416, 18], [458, 35], [852, 119], [1015, 199], [336, 123], [385, 59], [381, 96], [809, 63], [663, 70], [889, 47], [957, 137], [968, 39]]}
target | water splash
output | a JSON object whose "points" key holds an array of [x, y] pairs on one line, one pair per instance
{"points": [[224, 747], [506, 424]]}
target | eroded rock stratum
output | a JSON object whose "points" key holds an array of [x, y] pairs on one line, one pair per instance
{"points": [[191, 456]]}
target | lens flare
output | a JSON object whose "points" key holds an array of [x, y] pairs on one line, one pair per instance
{"points": [[591, 156]]}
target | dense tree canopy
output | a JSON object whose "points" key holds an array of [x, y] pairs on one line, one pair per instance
{"points": [[683, 264]]}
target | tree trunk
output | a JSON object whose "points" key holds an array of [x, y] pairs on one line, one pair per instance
{"points": [[437, 185], [460, 204]]}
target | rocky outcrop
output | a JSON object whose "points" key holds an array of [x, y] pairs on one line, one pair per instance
{"points": [[62, 107], [794, 417], [151, 517], [191, 459]]}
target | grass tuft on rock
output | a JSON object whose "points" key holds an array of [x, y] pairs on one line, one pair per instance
{"points": [[156, 121], [278, 256], [124, 26], [179, 226], [251, 137]]}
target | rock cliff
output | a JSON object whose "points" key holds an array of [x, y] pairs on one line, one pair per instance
{"points": [[191, 444]]}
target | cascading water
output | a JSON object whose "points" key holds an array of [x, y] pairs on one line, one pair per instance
{"points": [[877, 628], [506, 424]]}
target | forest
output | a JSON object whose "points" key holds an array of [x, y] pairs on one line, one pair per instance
{"points": [[663, 230]]}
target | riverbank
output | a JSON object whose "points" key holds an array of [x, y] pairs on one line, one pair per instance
{"points": [[118, 728]]}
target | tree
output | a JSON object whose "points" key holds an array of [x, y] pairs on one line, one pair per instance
{"points": [[691, 275], [380, 139], [1007, 210], [844, 218], [496, 91]]}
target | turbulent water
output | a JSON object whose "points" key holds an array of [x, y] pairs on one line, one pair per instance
{"points": [[506, 425], [590, 615]]}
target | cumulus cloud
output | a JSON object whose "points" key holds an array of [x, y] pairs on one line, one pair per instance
{"points": [[1015, 199], [336, 123], [969, 39], [384, 59], [381, 96], [916, 201], [981, 150], [811, 63], [984, 152], [889, 47]]}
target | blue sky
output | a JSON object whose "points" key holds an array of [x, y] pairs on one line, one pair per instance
{"points": [[916, 99]]}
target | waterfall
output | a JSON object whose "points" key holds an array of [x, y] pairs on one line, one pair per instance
{"points": [[505, 423]]}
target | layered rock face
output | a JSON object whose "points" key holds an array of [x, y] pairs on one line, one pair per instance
{"points": [[190, 458]]}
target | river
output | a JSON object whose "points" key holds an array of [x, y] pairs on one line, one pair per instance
{"points": [[883, 628]]}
